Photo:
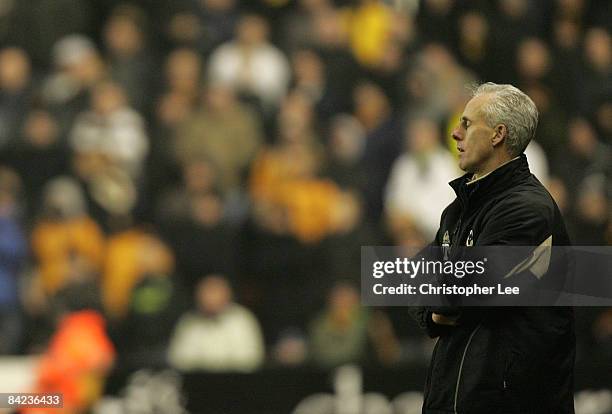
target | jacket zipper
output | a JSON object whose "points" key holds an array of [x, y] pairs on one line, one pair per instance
{"points": [[431, 365], [461, 366]]}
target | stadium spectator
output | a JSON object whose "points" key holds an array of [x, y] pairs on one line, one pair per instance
{"points": [[474, 43], [199, 24], [198, 176], [551, 134], [368, 25], [143, 335], [251, 64], [346, 143], [125, 42], [38, 156], [296, 28], [203, 240], [76, 362], [54, 20], [426, 167], [183, 74], [344, 332], [435, 19], [13, 251], [382, 144], [15, 92], [78, 66], [112, 130], [596, 75], [224, 131], [219, 19], [310, 80], [63, 229], [565, 43], [219, 336], [131, 254]]}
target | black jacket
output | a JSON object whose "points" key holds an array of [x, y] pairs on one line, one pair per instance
{"points": [[515, 360]]}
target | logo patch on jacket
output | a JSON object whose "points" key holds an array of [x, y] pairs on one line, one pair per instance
{"points": [[470, 238], [445, 245]]}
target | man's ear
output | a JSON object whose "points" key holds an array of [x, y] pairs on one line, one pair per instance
{"points": [[501, 132]]}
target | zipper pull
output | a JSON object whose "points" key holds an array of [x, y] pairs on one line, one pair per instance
{"points": [[505, 385]]}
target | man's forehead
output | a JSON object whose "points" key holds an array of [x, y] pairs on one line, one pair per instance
{"points": [[472, 108]]}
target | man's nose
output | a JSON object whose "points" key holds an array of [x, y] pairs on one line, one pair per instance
{"points": [[456, 134]]}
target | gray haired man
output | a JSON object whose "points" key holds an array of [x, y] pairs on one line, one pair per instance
{"points": [[516, 360]]}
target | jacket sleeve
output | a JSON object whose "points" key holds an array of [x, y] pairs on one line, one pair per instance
{"points": [[422, 316], [517, 221]]}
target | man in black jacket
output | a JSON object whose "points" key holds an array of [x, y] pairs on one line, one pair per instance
{"points": [[515, 360]]}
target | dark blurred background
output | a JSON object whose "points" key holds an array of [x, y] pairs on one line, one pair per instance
{"points": [[186, 184]]}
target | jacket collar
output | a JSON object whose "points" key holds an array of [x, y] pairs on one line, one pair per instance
{"points": [[503, 177]]}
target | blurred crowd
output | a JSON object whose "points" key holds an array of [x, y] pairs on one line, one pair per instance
{"points": [[202, 173]]}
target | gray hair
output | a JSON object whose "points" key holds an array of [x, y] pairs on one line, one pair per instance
{"points": [[513, 108]]}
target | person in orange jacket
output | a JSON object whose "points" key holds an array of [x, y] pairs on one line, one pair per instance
{"points": [[76, 363]]}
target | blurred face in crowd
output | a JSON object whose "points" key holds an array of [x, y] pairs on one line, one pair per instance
{"points": [[474, 138], [313, 6], [63, 199], [533, 59], [154, 256], [582, 138], [440, 7], [540, 96], [213, 294], [219, 98], [295, 118], [346, 213], [473, 28], [87, 69], [199, 176], [252, 30], [343, 301], [371, 105], [218, 5], [183, 69], [10, 186], [514, 8], [566, 33], [598, 45], [107, 98], [329, 30], [570, 8], [207, 209], [14, 69], [40, 129], [604, 117], [173, 108], [307, 67], [123, 36], [301, 160], [437, 58], [185, 28], [347, 139], [422, 135]]}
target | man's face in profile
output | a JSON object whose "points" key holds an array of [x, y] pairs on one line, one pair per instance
{"points": [[473, 137]]}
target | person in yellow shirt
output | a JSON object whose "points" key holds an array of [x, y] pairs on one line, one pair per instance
{"points": [[369, 28], [63, 231]]}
